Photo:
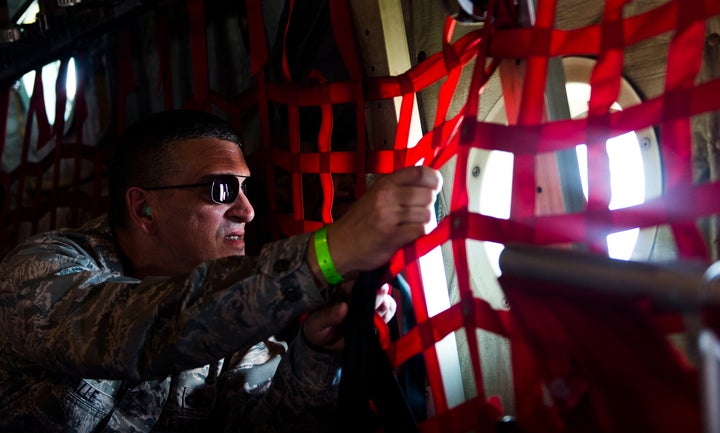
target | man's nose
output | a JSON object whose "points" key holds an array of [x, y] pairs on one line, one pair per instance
{"points": [[241, 209]]}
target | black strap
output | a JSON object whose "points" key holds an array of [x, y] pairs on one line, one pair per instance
{"points": [[367, 374]]}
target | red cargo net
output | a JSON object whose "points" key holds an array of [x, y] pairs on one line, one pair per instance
{"points": [[578, 365]]}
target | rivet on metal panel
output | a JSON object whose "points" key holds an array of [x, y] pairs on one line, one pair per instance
{"points": [[713, 40]]}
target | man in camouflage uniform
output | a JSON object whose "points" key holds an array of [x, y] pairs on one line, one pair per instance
{"points": [[152, 319]]}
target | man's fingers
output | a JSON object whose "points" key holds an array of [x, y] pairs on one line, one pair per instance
{"points": [[329, 316], [414, 215], [393, 212], [414, 196], [418, 176], [322, 326]]}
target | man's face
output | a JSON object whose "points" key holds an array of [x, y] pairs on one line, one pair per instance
{"points": [[191, 228]]}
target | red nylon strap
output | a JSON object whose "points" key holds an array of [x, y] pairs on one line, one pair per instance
{"points": [[198, 47], [424, 74], [37, 110], [402, 133], [624, 367], [285, 67], [80, 116], [324, 147], [164, 61], [58, 132], [342, 26], [453, 66], [295, 167], [683, 66], [126, 77], [258, 59], [521, 43], [258, 41], [605, 82]]}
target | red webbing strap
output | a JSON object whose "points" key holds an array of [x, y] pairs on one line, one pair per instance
{"points": [[531, 112], [427, 336], [459, 228], [683, 65], [258, 41], [293, 116], [459, 222], [198, 47], [426, 73], [447, 90], [80, 116], [421, 76], [479, 416], [37, 106], [164, 61], [457, 225], [620, 375], [310, 95], [295, 168], [323, 94], [285, 67], [59, 129], [402, 133], [76, 199], [605, 81], [36, 110], [126, 77], [258, 60], [585, 41], [342, 26], [444, 323], [565, 134], [324, 148], [462, 418]]}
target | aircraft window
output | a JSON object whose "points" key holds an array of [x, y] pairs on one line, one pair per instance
{"points": [[634, 167], [635, 177], [49, 77], [29, 16]]}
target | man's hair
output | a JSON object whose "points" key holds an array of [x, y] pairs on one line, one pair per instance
{"points": [[143, 155]]}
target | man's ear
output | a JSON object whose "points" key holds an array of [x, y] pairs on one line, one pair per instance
{"points": [[138, 204]]}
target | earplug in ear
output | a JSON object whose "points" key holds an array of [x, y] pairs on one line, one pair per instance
{"points": [[147, 210]]}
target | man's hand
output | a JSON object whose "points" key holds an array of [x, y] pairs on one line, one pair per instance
{"points": [[323, 327], [385, 305], [390, 215]]}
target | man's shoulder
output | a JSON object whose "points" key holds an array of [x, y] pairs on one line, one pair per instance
{"points": [[92, 244]]}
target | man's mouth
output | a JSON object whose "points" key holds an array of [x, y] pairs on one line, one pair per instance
{"points": [[234, 237]]}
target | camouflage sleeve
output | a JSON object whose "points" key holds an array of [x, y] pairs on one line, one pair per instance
{"points": [[301, 398], [70, 314]]}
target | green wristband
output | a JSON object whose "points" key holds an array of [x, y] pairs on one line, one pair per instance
{"points": [[322, 252]]}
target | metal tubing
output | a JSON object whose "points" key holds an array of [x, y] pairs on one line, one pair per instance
{"points": [[676, 286]]}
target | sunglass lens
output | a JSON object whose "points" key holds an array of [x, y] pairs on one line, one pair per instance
{"points": [[225, 189]]}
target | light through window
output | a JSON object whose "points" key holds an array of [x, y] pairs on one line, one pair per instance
{"points": [[634, 169]]}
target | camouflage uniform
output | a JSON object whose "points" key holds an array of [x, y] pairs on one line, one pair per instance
{"points": [[85, 348]]}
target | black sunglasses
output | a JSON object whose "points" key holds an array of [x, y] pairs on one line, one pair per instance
{"points": [[224, 188]]}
